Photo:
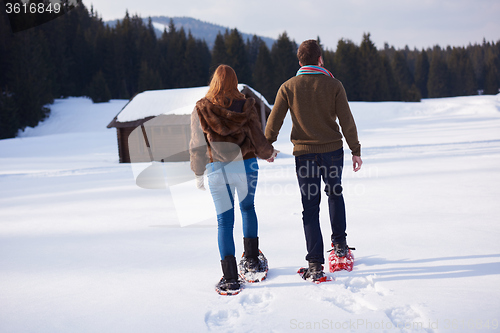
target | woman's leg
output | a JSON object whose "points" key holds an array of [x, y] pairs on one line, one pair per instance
{"points": [[223, 196], [225, 239], [246, 191]]}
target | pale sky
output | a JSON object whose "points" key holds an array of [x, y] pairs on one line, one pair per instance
{"points": [[416, 23]]}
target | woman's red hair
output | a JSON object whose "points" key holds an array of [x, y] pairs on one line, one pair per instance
{"points": [[224, 87]]}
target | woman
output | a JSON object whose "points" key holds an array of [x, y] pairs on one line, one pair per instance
{"points": [[226, 134]]}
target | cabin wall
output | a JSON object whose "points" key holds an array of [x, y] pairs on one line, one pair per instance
{"points": [[123, 145], [168, 143]]}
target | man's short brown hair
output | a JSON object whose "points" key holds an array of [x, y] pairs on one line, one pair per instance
{"points": [[309, 52]]}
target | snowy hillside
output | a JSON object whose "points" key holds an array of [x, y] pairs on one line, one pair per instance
{"points": [[83, 249], [199, 29]]}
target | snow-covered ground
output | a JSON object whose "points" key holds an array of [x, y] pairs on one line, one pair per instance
{"points": [[84, 249]]}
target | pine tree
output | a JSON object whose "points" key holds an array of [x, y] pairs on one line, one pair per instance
{"points": [[374, 85], [148, 43], [122, 53], [28, 77], [439, 81], [181, 61], [192, 65], [347, 68], [329, 60], [286, 64], [9, 123], [422, 73], [252, 49], [177, 42], [328, 57], [149, 79], [9, 120], [462, 78], [490, 71], [263, 74], [491, 77], [98, 89], [197, 61], [394, 89], [237, 56], [413, 94], [404, 78], [219, 52], [476, 54], [205, 61], [164, 66], [6, 40]]}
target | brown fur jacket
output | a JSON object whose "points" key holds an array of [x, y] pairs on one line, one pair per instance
{"points": [[227, 133]]}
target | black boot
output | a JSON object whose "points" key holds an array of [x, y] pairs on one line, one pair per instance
{"points": [[341, 249], [314, 272], [253, 265], [251, 254], [228, 284]]}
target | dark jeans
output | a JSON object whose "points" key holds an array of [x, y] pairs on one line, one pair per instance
{"points": [[311, 168]]}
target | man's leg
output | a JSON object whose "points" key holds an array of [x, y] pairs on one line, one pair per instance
{"points": [[310, 189], [333, 163]]}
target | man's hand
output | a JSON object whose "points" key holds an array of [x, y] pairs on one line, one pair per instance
{"points": [[356, 163], [273, 156]]}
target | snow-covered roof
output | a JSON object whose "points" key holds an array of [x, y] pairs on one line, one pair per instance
{"points": [[153, 103], [256, 93], [179, 101]]}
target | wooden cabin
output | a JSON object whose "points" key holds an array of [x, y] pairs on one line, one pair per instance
{"points": [[155, 125]]}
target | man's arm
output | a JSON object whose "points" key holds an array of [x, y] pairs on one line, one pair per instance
{"points": [[347, 123], [349, 129], [277, 116]]}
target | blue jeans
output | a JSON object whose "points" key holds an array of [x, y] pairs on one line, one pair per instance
{"points": [[224, 182], [311, 168]]}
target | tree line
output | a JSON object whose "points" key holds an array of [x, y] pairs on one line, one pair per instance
{"points": [[77, 54]]}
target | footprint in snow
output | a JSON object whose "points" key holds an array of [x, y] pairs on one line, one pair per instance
{"points": [[217, 319], [346, 302], [365, 284], [348, 293], [234, 309], [252, 302], [408, 319]]}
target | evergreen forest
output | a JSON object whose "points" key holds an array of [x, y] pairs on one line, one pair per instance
{"points": [[77, 54]]}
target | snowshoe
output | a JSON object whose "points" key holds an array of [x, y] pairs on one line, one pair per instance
{"points": [[253, 269], [228, 287], [229, 283], [314, 273], [340, 258], [253, 265]]}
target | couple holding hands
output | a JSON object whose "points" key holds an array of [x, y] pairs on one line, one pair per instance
{"points": [[226, 138]]}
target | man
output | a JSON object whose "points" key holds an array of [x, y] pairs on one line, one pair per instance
{"points": [[315, 100]]}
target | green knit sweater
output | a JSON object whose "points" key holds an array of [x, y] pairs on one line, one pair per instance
{"points": [[315, 101]]}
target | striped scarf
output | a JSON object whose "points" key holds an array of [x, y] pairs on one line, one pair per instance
{"points": [[310, 69]]}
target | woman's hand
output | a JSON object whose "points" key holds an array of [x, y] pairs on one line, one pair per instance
{"points": [[200, 182]]}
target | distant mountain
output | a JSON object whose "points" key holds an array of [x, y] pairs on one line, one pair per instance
{"points": [[199, 29]]}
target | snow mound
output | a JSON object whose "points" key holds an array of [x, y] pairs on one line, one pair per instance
{"points": [[75, 115]]}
